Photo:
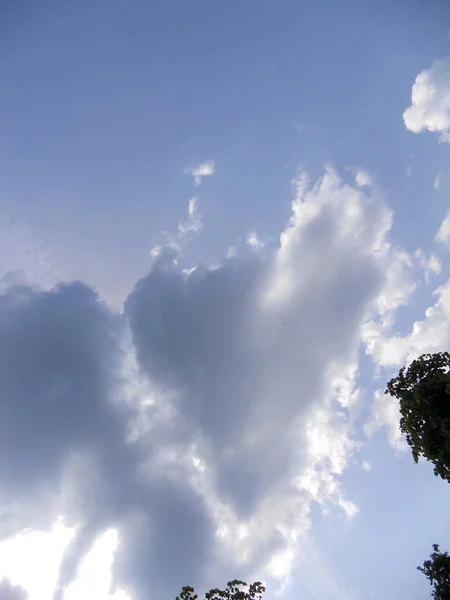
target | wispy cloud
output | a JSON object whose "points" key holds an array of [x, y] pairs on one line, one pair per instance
{"points": [[205, 169], [193, 224], [254, 241], [443, 234], [428, 264], [437, 181]]}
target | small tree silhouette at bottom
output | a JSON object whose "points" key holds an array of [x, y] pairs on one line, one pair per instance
{"points": [[437, 570], [233, 591]]}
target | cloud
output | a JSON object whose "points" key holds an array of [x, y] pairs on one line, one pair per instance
{"points": [[205, 169], [194, 220], [437, 181], [362, 178], [430, 101], [23, 258], [31, 560], [391, 350], [443, 234], [428, 264], [231, 340], [429, 335], [204, 421], [254, 241], [66, 421], [56, 363], [386, 413], [11, 592], [94, 581]]}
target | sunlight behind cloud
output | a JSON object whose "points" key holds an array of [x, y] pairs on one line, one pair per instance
{"points": [[32, 560], [94, 579]]}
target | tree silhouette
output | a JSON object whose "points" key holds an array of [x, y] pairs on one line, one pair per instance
{"points": [[233, 591], [424, 395], [437, 570]]}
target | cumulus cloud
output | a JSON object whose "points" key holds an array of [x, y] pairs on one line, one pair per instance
{"points": [[443, 234], [203, 422], [430, 101], [429, 335], [205, 169], [391, 350]]}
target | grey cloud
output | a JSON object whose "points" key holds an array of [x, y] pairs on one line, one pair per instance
{"points": [[63, 439], [11, 592], [166, 542], [244, 374], [57, 357], [238, 371]]}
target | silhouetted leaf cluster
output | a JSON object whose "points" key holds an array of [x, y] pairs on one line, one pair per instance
{"points": [[424, 394], [235, 590], [437, 570]]}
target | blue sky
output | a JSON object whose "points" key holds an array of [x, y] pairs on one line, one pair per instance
{"points": [[224, 226]]}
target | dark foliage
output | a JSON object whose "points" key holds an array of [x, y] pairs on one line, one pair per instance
{"points": [[235, 590], [437, 570], [424, 394]]}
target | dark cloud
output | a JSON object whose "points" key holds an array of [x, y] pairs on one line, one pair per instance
{"points": [[166, 542], [58, 357], [64, 427]]}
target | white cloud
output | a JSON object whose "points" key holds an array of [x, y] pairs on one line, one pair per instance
{"points": [[443, 234], [428, 264], [366, 466], [363, 179], [434, 264], [432, 334], [193, 224], [94, 577], [254, 241], [430, 101], [31, 559], [385, 413], [205, 169], [437, 181]]}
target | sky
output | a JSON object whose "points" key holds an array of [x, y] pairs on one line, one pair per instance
{"points": [[224, 226]]}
